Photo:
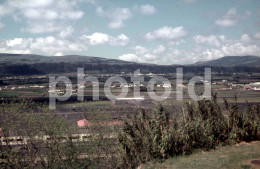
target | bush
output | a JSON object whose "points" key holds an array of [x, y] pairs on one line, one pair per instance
{"points": [[202, 125], [47, 139]]}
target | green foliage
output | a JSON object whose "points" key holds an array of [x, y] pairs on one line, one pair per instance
{"points": [[202, 125], [145, 137], [33, 122]]}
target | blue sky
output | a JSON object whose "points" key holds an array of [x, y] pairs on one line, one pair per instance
{"points": [[161, 32]]}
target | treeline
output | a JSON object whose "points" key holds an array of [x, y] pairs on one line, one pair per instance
{"points": [[46, 68]]}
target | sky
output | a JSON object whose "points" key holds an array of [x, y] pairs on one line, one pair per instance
{"points": [[147, 31]]}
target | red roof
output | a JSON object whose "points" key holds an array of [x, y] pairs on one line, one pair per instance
{"points": [[86, 123]]}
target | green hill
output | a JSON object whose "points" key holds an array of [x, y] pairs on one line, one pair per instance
{"points": [[232, 61], [11, 59], [31, 64]]}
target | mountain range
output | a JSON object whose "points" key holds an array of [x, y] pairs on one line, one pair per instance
{"points": [[26, 64], [232, 61], [13, 59]]}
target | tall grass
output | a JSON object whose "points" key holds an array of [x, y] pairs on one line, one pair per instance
{"points": [[201, 125]]}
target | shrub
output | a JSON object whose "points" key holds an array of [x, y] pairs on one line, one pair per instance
{"points": [[202, 125]]}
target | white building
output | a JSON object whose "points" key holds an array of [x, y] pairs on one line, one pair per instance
{"points": [[254, 86], [167, 85]]}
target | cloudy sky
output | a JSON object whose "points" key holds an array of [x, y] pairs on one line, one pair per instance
{"points": [[152, 31]]}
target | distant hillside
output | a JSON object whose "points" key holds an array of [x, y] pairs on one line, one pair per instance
{"points": [[30, 64], [11, 59], [232, 61], [21, 59]]}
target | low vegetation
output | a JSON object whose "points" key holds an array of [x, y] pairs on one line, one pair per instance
{"points": [[32, 136], [238, 156], [52, 142], [203, 125]]}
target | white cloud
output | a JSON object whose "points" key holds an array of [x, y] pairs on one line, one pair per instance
{"points": [[14, 51], [210, 54], [53, 14], [257, 35], [43, 16], [220, 46], [231, 18], [52, 45], [148, 9], [145, 55], [116, 24], [98, 38], [129, 57], [5, 10], [245, 38], [140, 50], [244, 46], [177, 42], [147, 58], [166, 33], [66, 32], [44, 27], [16, 41], [222, 38], [225, 22], [239, 49], [30, 3], [47, 9], [120, 40], [159, 49], [116, 16], [211, 40], [47, 45], [58, 54]]}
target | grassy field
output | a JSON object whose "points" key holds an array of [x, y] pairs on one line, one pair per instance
{"points": [[91, 103], [227, 157]]}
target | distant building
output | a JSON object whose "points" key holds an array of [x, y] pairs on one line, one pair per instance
{"points": [[182, 86], [83, 123], [167, 85], [86, 123], [37, 86], [253, 86], [21, 87]]}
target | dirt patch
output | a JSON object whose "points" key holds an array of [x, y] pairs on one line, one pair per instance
{"points": [[242, 143], [255, 163]]}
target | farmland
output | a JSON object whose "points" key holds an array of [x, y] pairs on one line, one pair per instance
{"points": [[104, 116]]}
